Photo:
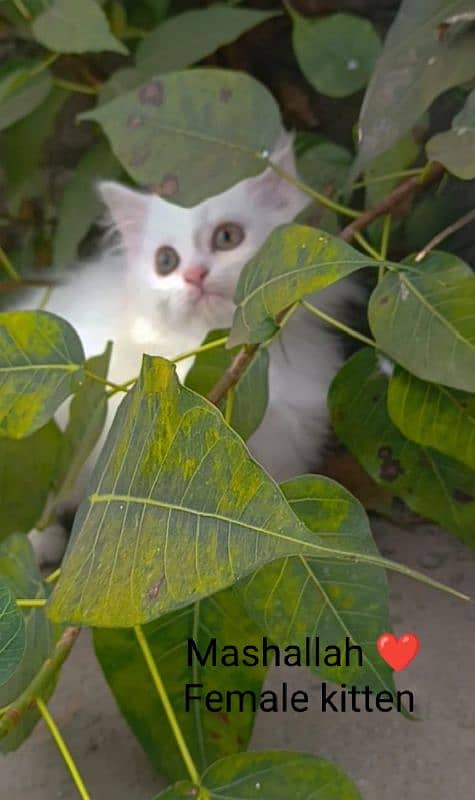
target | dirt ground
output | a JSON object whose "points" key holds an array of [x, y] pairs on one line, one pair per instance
{"points": [[388, 757]]}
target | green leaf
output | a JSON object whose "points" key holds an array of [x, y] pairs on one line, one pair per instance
{"points": [[433, 415], [336, 53], [87, 417], [21, 92], [29, 470], [456, 148], [192, 134], [18, 571], [80, 204], [429, 482], [67, 26], [304, 597], [424, 319], [41, 361], [175, 502], [23, 151], [192, 35], [209, 735], [396, 95], [12, 634], [294, 261], [269, 776], [121, 81], [250, 392], [323, 164]]}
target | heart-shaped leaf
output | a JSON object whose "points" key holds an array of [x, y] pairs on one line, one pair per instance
{"points": [[424, 319], [12, 634], [41, 360], [188, 37], [336, 53], [417, 64], [210, 735], [19, 572], [251, 391], [456, 148], [67, 26], [433, 415], [21, 92], [268, 776], [431, 483], [305, 597], [192, 134], [294, 261], [176, 510]]}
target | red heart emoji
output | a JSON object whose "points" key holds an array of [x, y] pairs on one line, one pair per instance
{"points": [[398, 653]]}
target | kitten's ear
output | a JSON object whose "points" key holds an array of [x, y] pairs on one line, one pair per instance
{"points": [[272, 191], [128, 212]]}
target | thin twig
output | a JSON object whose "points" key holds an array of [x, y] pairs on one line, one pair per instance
{"points": [[400, 193], [448, 231], [231, 376], [28, 283], [13, 713]]}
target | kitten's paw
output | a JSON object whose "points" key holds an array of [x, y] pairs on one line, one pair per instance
{"points": [[49, 545]]}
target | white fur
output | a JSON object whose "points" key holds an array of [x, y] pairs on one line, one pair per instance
{"points": [[124, 300]]}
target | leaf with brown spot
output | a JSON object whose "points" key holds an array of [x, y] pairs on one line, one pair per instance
{"points": [[204, 144], [426, 479]]}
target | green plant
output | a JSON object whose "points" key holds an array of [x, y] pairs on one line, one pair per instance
{"points": [[147, 568]]}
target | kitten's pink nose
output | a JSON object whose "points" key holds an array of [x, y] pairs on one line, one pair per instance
{"points": [[195, 275]]}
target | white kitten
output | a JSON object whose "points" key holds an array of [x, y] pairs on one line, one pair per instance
{"points": [[176, 281]]}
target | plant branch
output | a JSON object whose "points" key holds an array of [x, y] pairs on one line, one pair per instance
{"points": [[13, 713], [28, 283], [400, 193], [231, 376], [448, 231], [318, 196], [63, 749], [202, 349], [162, 693]]}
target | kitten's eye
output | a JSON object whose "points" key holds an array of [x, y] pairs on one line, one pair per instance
{"points": [[227, 236], [166, 260]]}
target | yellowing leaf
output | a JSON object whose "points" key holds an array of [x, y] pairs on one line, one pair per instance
{"points": [[294, 261], [41, 361]]}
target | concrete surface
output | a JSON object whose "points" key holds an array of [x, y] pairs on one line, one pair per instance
{"points": [[388, 757]]}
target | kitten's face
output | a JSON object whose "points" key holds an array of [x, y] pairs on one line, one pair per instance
{"points": [[191, 258]]}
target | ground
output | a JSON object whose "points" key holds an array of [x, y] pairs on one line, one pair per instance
{"points": [[388, 757]]}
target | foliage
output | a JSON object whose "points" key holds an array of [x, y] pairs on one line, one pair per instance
{"points": [[181, 531]]}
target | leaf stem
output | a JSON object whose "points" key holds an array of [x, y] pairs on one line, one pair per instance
{"points": [[383, 254], [12, 714], [318, 196], [337, 324], [366, 246], [162, 693], [117, 387], [72, 86], [31, 603], [8, 266], [22, 10], [390, 176], [54, 576], [61, 744], [203, 349]]}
